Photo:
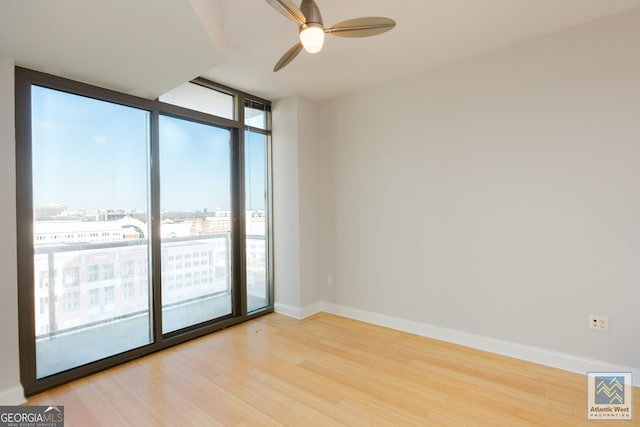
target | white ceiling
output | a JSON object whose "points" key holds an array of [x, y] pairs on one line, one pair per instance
{"points": [[429, 33], [150, 46], [144, 47]]}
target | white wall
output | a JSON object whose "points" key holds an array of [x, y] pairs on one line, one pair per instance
{"points": [[317, 206], [500, 196], [286, 204], [10, 389], [303, 204]]}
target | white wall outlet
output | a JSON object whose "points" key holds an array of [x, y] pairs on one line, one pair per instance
{"points": [[329, 279], [598, 323]]}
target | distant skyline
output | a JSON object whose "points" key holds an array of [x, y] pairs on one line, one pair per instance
{"points": [[92, 154]]}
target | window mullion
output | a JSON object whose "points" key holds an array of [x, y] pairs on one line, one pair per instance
{"points": [[239, 232], [156, 249]]}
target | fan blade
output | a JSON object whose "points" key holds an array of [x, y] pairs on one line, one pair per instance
{"points": [[289, 10], [288, 57], [362, 27]]}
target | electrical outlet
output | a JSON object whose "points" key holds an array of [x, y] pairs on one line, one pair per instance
{"points": [[598, 323], [329, 279]]}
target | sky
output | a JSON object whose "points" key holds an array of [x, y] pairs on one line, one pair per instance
{"points": [[92, 154]]}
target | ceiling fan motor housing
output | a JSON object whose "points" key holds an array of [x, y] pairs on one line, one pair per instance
{"points": [[311, 11]]}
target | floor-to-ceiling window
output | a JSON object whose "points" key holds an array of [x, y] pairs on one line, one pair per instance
{"points": [[256, 202], [141, 223]]}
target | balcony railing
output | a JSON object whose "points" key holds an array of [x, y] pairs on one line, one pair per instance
{"points": [[89, 284]]}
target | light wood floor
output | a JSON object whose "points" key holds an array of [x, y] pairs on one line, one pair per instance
{"points": [[325, 371]]}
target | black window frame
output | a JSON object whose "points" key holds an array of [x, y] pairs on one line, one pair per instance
{"points": [[24, 80]]}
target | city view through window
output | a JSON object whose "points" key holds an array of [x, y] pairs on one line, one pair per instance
{"points": [[92, 198]]}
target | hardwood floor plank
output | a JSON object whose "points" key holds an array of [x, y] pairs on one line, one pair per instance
{"points": [[325, 371]]}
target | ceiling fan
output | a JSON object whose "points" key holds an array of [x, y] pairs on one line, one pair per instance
{"points": [[312, 29]]}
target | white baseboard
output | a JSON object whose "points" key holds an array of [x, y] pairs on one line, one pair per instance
{"points": [[297, 312], [288, 310], [312, 309], [12, 396], [567, 362]]}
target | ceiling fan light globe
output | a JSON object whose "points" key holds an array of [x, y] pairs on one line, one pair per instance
{"points": [[312, 38]]}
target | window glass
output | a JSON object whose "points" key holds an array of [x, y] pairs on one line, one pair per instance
{"points": [[256, 220], [256, 118], [195, 183], [90, 169], [200, 98]]}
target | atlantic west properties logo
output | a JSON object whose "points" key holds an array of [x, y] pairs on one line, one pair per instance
{"points": [[609, 396]]}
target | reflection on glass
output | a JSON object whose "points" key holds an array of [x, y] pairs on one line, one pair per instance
{"points": [[200, 98], [91, 254], [256, 118], [256, 220], [195, 195]]}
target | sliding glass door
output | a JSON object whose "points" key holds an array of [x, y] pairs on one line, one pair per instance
{"points": [[195, 195]]}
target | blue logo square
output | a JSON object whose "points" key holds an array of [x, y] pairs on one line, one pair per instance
{"points": [[609, 390]]}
